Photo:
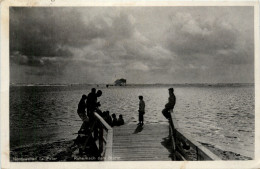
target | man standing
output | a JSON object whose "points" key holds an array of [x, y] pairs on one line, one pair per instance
{"points": [[91, 103], [141, 110], [81, 108], [170, 105], [82, 113]]}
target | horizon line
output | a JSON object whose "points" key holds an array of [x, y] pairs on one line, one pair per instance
{"points": [[130, 83]]}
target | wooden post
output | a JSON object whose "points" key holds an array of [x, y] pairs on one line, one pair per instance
{"points": [[197, 152], [173, 137]]}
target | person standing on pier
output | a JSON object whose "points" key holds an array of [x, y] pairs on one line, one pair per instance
{"points": [[92, 105], [82, 112], [170, 105], [141, 110], [82, 108], [91, 102]]}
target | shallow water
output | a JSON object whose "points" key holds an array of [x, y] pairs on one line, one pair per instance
{"points": [[219, 116]]}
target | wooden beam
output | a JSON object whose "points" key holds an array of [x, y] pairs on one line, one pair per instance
{"points": [[107, 126], [179, 156], [108, 141]]}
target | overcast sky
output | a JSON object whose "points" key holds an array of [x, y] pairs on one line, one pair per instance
{"points": [[141, 44]]}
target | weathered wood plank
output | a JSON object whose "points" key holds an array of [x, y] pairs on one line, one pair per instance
{"points": [[104, 123], [133, 143]]}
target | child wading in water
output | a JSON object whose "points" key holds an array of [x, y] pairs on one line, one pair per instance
{"points": [[141, 110]]}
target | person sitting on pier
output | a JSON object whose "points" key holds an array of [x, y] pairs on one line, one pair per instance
{"points": [[120, 120], [108, 118], [103, 115], [170, 105], [141, 110], [114, 120]]}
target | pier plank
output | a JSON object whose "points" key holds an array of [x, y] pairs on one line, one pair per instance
{"points": [[133, 143]]}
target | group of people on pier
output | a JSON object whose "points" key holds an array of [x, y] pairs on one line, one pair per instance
{"points": [[92, 105], [112, 120], [89, 121], [166, 111]]}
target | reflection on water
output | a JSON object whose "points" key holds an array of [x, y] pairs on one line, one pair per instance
{"points": [[220, 116]]}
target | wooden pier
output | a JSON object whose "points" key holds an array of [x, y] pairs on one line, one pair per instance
{"points": [[141, 143], [151, 142]]}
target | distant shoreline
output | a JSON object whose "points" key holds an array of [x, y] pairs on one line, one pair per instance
{"points": [[148, 85]]}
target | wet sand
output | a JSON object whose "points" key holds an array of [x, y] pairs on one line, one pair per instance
{"points": [[44, 152], [226, 155], [57, 151], [65, 151]]}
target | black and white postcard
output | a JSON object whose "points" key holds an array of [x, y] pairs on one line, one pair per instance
{"points": [[129, 84]]}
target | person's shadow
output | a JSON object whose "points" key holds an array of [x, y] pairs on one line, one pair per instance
{"points": [[166, 142], [138, 129]]}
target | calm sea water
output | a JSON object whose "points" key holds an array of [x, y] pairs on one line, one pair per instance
{"points": [[220, 116]]}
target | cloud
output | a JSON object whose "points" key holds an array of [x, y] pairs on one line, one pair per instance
{"points": [[97, 44], [188, 35], [37, 32], [138, 66], [48, 32], [18, 58]]}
